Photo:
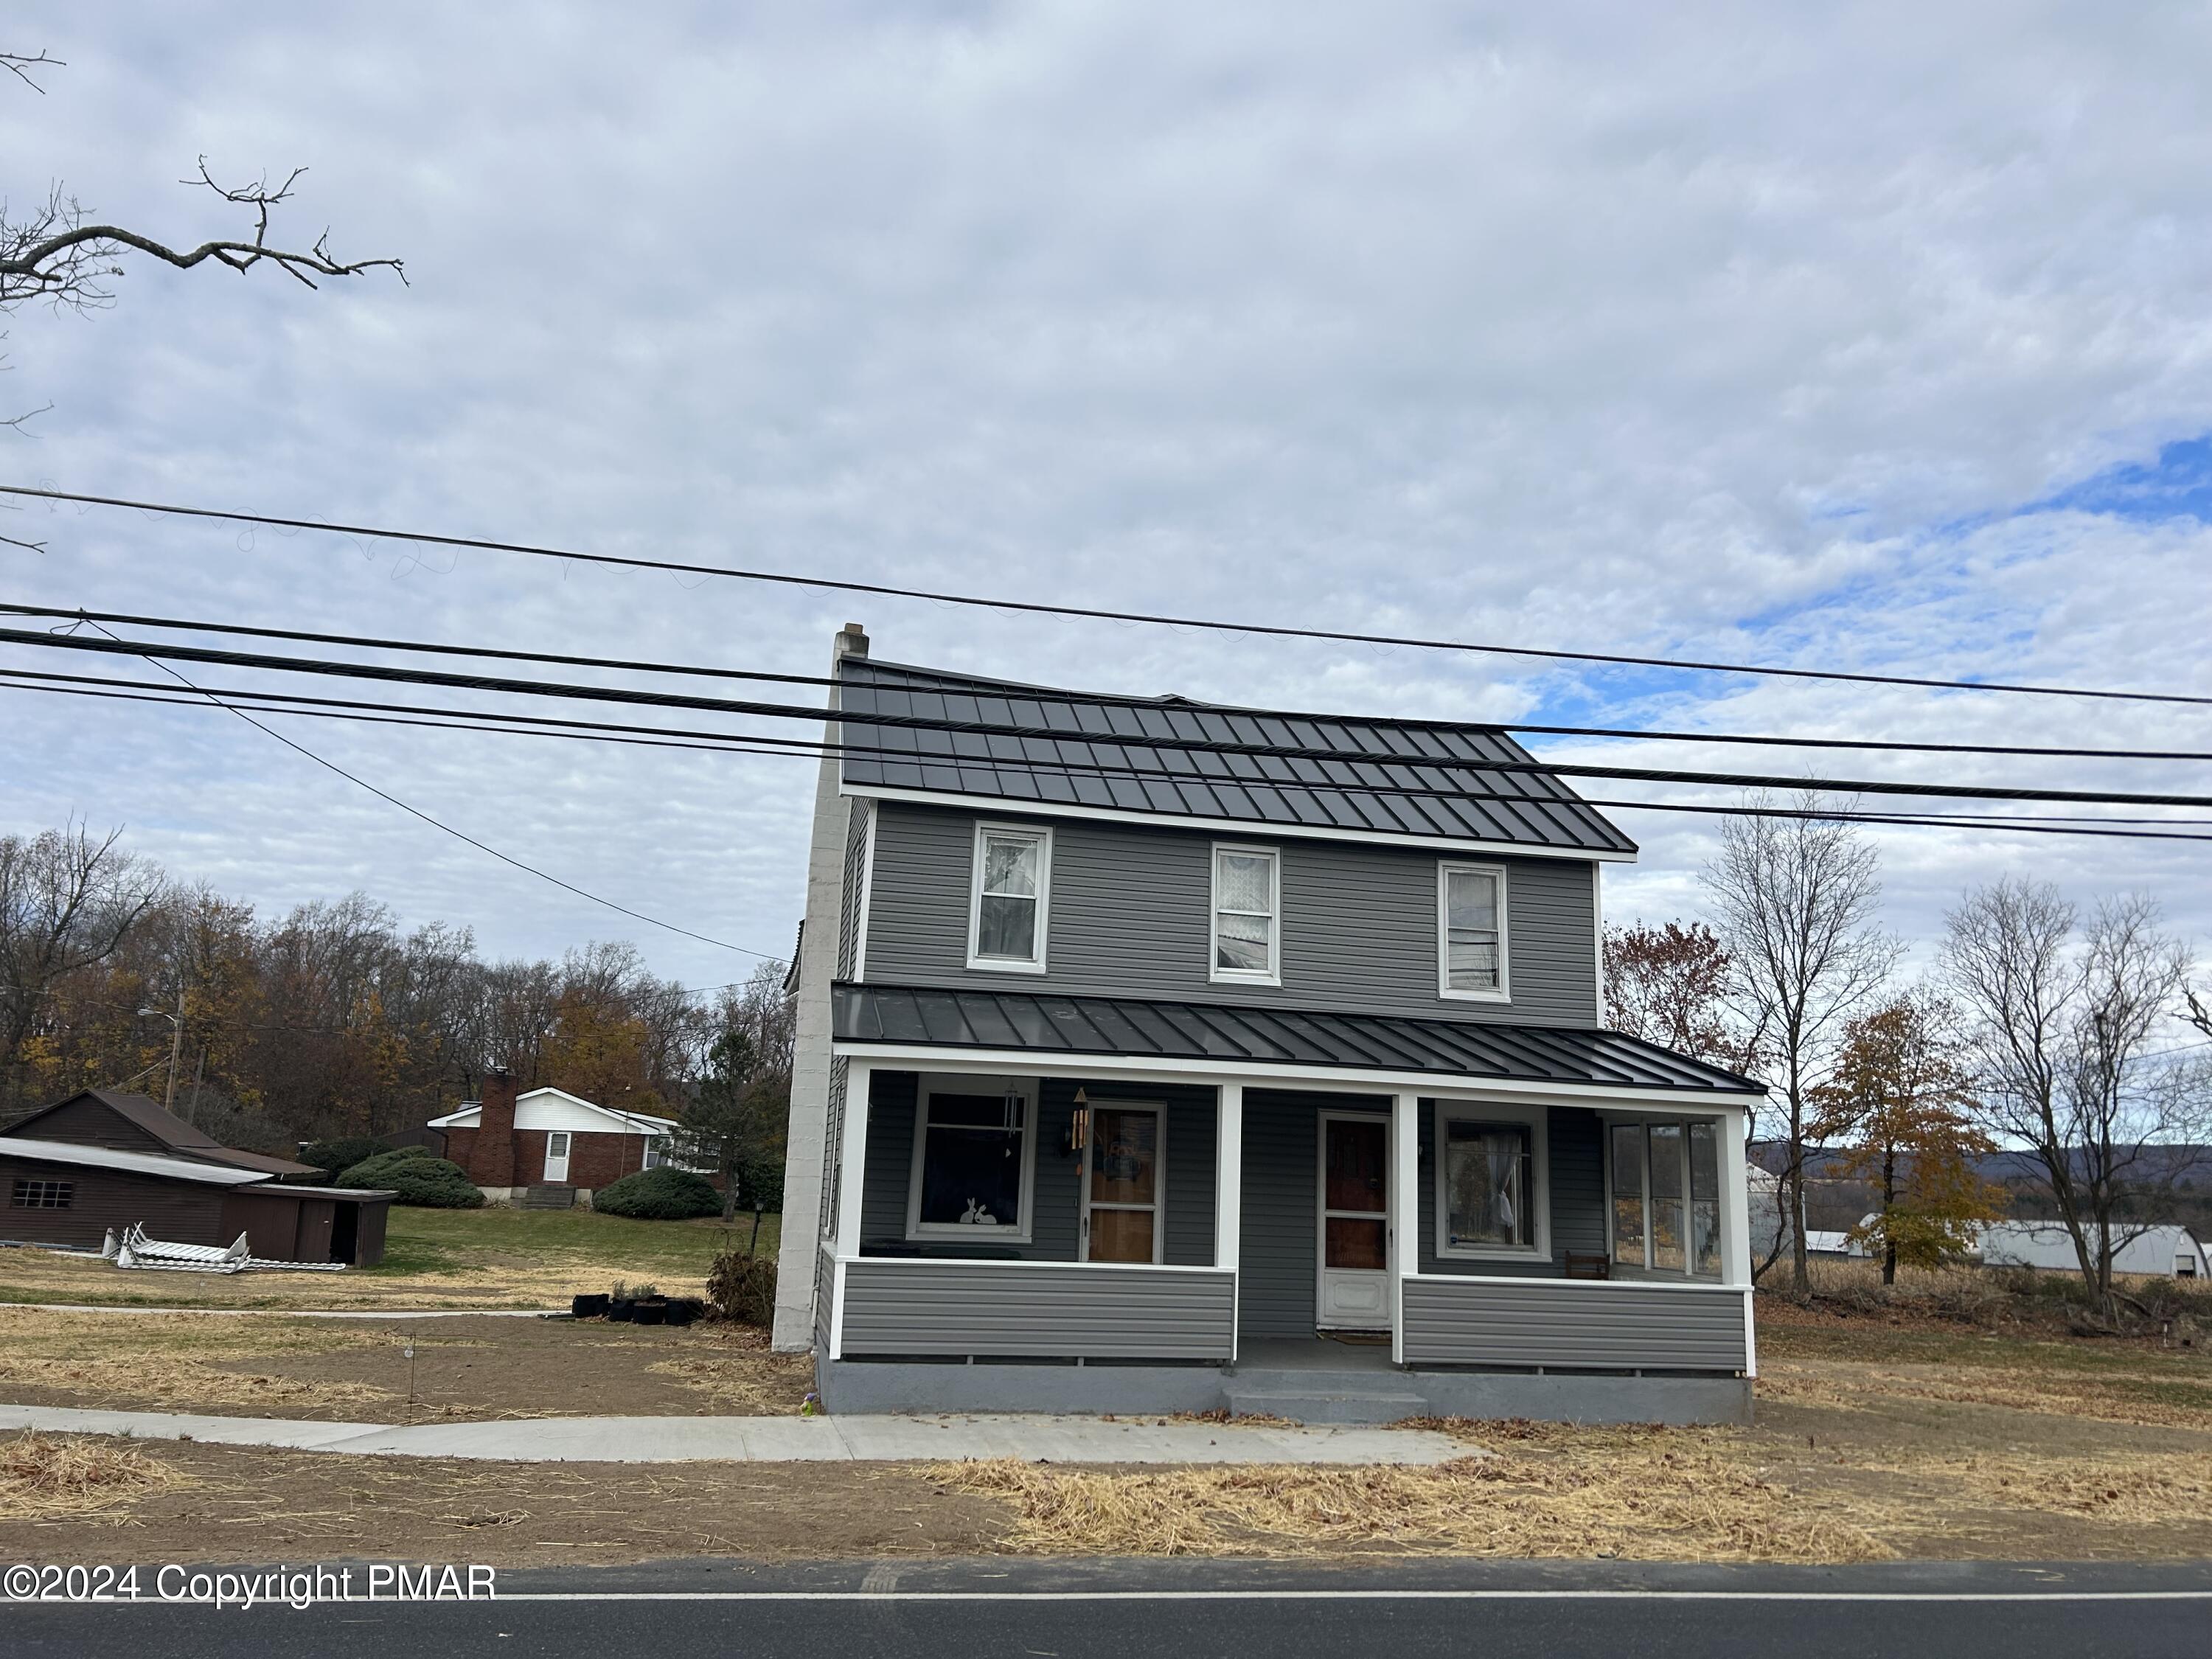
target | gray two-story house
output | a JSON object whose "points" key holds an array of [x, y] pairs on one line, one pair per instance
{"points": [[1155, 1056]]}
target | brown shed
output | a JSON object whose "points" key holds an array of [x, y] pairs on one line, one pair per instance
{"points": [[137, 1123], [60, 1193]]}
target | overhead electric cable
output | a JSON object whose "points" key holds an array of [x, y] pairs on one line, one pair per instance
{"points": [[1283, 751], [1039, 608], [436, 824], [1102, 699], [525, 726]]}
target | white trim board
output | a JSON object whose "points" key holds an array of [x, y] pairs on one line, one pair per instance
{"points": [[1686, 1103], [1245, 827]]}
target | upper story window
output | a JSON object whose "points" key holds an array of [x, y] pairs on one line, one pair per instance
{"points": [[1247, 906], [1471, 960], [1009, 908]]}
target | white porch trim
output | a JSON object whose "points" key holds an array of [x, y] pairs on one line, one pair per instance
{"points": [[1405, 1212], [1261, 1074], [1229, 1194]]}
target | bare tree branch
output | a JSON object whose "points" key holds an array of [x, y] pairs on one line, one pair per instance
{"points": [[56, 255], [20, 65]]}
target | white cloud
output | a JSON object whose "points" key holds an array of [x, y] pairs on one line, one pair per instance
{"points": [[1687, 332]]}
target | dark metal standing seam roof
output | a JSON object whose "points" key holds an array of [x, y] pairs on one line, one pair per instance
{"points": [[1126, 1027], [1293, 793]]}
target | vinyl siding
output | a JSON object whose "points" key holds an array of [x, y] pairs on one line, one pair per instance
{"points": [[1130, 915], [856, 864], [1576, 1326], [1279, 1255], [1056, 1199], [999, 1309]]}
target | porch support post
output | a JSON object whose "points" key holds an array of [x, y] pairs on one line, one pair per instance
{"points": [[852, 1155], [1735, 1226], [1229, 1193], [1405, 1211]]}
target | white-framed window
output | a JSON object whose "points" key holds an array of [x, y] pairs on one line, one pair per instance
{"points": [[1663, 1195], [1010, 904], [1494, 1181], [1125, 1182], [1471, 949], [1247, 934], [974, 1158]]}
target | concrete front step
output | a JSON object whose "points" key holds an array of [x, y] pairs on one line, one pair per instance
{"points": [[550, 1197], [1302, 1401]]}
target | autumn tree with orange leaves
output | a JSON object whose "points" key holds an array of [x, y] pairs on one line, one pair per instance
{"points": [[1901, 1100]]}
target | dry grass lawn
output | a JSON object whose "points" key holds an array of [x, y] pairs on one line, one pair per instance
{"points": [[46, 1478], [492, 1258]]}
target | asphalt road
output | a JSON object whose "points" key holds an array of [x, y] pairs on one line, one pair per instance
{"points": [[980, 1609]]}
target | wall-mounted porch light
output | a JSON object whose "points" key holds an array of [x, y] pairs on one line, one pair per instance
{"points": [[1078, 1124]]}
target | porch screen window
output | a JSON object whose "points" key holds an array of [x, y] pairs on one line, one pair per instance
{"points": [[1122, 1193], [1488, 1183], [1010, 873], [971, 1163], [1473, 900], [1666, 1197], [44, 1194], [1245, 891]]}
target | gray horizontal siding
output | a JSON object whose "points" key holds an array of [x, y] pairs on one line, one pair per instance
{"points": [[825, 1289], [1280, 1249], [1130, 916], [848, 911], [1578, 1325], [999, 1309]]}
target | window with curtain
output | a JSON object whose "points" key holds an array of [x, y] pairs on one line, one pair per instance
{"points": [[1666, 1193], [1246, 889], [1471, 900], [1489, 1179], [1010, 876]]}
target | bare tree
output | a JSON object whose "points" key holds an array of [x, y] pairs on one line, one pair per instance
{"points": [[67, 902], [1798, 901], [58, 251], [2062, 1027]]}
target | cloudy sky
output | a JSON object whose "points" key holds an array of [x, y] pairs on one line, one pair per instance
{"points": [[1867, 337]]}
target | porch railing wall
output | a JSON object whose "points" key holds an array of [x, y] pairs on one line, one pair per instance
{"points": [[1038, 1310], [1574, 1325]]}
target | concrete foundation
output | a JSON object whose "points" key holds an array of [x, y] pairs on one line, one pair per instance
{"points": [[1298, 1394]]}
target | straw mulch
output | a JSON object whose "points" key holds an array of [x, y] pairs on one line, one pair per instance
{"points": [[46, 1477], [1605, 1497]]}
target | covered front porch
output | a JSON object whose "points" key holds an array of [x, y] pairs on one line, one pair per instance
{"points": [[1008, 1230]]}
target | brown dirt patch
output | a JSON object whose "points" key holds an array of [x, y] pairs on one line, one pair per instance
{"points": [[237, 1503], [347, 1369]]}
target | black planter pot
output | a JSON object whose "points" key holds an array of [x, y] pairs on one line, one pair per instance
{"points": [[589, 1307], [622, 1310], [653, 1310], [683, 1310]]}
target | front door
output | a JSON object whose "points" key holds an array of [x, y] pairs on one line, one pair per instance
{"points": [[1354, 1292], [556, 1156], [1122, 1180]]}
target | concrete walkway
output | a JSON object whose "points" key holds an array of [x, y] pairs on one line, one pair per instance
{"points": [[776, 1439]]}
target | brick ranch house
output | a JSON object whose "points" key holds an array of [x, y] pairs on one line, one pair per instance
{"points": [[547, 1139]]}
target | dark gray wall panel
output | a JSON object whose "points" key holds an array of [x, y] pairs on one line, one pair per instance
{"points": [[1001, 1309], [1129, 917], [856, 861], [1578, 1198], [1575, 1325], [1278, 1253]]}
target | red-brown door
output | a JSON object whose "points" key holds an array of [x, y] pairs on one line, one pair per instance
{"points": [[1354, 1288]]}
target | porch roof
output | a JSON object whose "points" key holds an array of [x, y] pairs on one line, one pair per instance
{"points": [[1124, 1027]]}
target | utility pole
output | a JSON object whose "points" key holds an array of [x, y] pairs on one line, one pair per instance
{"points": [[176, 1042]]}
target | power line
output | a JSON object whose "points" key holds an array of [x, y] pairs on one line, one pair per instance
{"points": [[1104, 700], [812, 748], [1284, 751], [1037, 608], [527, 726], [436, 823]]}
